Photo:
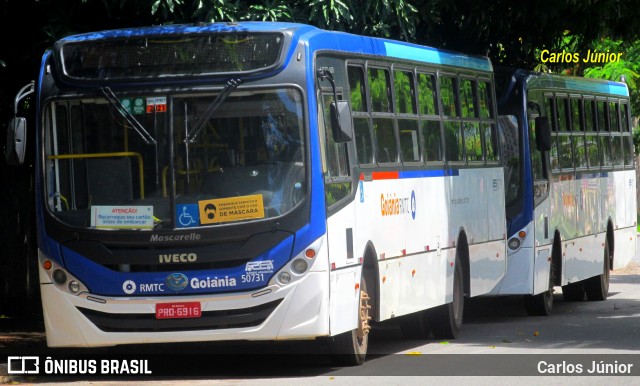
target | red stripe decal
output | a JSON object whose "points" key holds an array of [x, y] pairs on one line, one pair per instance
{"points": [[385, 175]]}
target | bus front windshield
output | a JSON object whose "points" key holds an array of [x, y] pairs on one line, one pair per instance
{"points": [[174, 161]]}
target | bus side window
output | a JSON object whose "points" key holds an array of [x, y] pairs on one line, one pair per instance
{"points": [[361, 132], [593, 157], [488, 126], [430, 129], [551, 113]]}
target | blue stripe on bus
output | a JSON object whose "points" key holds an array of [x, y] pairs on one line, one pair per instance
{"points": [[431, 55], [429, 173]]}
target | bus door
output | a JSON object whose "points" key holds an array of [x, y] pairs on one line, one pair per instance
{"points": [[340, 206]]}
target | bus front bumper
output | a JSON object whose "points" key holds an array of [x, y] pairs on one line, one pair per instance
{"points": [[295, 311]]}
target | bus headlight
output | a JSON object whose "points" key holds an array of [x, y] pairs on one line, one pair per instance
{"points": [[284, 277], [514, 243], [299, 266], [59, 276], [74, 286]]}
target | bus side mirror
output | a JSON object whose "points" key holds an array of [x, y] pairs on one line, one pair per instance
{"points": [[16, 141], [341, 127], [543, 134]]}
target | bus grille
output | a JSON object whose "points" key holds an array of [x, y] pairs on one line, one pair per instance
{"points": [[210, 320]]}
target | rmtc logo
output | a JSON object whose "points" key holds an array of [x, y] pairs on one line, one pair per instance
{"points": [[266, 265], [178, 258]]}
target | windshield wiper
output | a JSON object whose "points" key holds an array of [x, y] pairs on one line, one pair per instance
{"points": [[193, 133], [137, 126]]}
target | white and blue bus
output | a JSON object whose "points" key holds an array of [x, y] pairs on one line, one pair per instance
{"points": [[262, 181], [570, 185]]}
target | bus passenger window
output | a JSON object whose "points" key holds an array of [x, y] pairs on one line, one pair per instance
{"points": [[613, 116], [386, 148], [566, 151], [561, 106], [472, 142], [363, 140], [409, 145], [427, 94], [602, 117], [466, 98], [379, 87], [490, 141], [605, 148], [431, 136], [356, 88], [453, 141], [403, 83], [448, 96], [484, 99]]}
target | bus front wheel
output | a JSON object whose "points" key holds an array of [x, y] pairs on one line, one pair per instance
{"points": [[350, 348]]}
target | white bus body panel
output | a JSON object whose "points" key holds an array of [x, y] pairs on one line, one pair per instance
{"points": [[414, 223]]}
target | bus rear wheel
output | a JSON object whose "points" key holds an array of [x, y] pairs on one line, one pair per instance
{"points": [[446, 320], [597, 287], [350, 348]]}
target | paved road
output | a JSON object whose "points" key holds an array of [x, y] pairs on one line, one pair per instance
{"points": [[494, 330]]}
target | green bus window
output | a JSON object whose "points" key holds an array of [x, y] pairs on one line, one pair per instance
{"points": [[550, 113], [386, 147], [490, 141], [593, 158], [356, 88], [379, 88], [427, 94], [448, 96], [624, 112], [432, 138], [613, 116], [403, 84], [453, 141], [605, 149], [561, 106], [566, 151], [580, 150], [466, 98], [617, 151], [589, 120], [602, 117], [363, 140], [629, 151], [576, 113], [472, 141], [409, 140], [484, 98]]}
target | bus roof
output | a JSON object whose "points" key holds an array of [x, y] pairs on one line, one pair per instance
{"points": [[536, 80], [317, 38]]}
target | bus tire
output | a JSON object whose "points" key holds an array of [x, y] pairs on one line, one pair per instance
{"points": [[350, 348], [597, 287], [446, 320], [540, 304], [573, 292]]}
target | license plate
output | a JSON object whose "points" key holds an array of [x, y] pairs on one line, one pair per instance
{"points": [[184, 310]]}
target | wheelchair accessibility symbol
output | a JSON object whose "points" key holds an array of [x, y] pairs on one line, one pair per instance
{"points": [[187, 215]]}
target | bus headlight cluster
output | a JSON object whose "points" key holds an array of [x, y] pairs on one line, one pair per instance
{"points": [[299, 265], [63, 279], [515, 242]]}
